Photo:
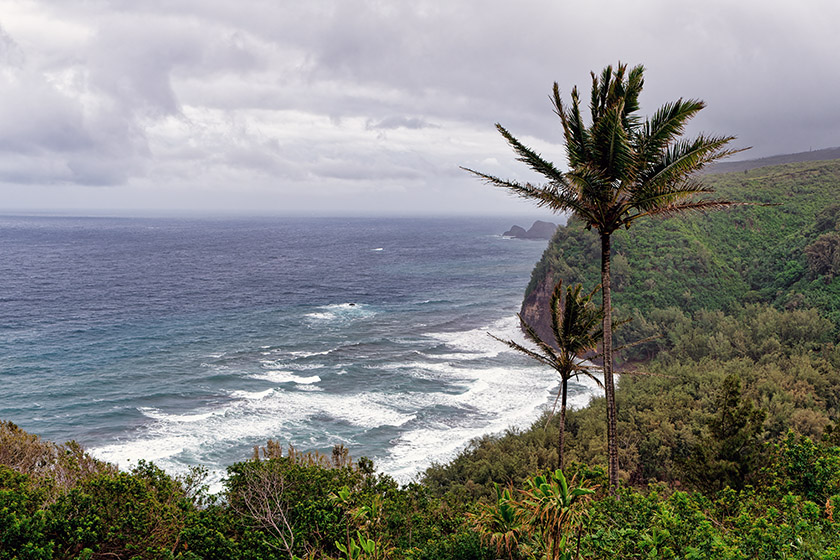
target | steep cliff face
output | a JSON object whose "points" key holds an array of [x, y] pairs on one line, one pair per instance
{"points": [[535, 307]]}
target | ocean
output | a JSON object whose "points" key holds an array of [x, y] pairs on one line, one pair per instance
{"points": [[190, 341]]}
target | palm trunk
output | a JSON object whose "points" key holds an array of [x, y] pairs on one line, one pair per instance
{"points": [[561, 440], [612, 446]]}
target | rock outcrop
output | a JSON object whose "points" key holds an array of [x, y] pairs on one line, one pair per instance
{"points": [[516, 231], [540, 230]]}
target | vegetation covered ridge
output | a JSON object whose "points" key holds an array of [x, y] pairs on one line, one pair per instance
{"points": [[738, 408], [305, 506], [787, 255]]}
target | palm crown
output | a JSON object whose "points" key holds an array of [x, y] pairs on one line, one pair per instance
{"points": [[621, 167], [575, 324]]}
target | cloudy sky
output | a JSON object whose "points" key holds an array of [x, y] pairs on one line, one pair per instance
{"points": [[359, 107]]}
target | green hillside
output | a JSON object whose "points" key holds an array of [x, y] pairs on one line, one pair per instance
{"points": [[786, 255]]}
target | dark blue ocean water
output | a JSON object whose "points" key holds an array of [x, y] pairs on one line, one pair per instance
{"points": [[189, 341]]}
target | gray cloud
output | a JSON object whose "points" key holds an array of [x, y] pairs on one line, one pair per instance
{"points": [[306, 102], [393, 122]]}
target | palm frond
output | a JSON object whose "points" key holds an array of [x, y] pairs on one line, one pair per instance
{"points": [[519, 348], [594, 194], [587, 372], [686, 157], [649, 197], [667, 123], [694, 206], [534, 337], [600, 89], [532, 159], [635, 84], [556, 310], [574, 129], [637, 342], [612, 150], [550, 195]]}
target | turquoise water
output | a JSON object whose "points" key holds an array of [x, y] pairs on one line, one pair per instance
{"points": [[191, 341]]}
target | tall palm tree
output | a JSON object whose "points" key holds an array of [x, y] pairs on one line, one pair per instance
{"points": [[621, 168], [575, 325]]}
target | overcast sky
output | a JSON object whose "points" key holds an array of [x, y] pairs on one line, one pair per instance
{"points": [[359, 107]]}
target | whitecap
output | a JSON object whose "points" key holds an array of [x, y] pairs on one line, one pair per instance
{"points": [[156, 414], [280, 364], [437, 367], [309, 388], [305, 354], [476, 342], [149, 412], [281, 376], [348, 311], [304, 367], [323, 316], [251, 395]]}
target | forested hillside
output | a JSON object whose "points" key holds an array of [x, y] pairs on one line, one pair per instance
{"points": [[787, 255]]}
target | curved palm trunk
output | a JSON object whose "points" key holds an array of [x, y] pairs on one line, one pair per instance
{"points": [[612, 446], [561, 441]]}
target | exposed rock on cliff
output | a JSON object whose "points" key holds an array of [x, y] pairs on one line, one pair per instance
{"points": [[535, 306]]}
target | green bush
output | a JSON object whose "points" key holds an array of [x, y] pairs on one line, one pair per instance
{"points": [[23, 524]]}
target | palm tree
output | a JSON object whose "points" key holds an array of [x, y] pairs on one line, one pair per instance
{"points": [[621, 168], [556, 508], [501, 523], [575, 325]]}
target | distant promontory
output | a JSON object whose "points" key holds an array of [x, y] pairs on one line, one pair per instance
{"points": [[540, 230]]}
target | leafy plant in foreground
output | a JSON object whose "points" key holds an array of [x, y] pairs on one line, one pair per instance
{"points": [[501, 523], [555, 511], [540, 524]]}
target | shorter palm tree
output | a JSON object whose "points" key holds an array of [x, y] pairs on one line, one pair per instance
{"points": [[556, 507], [576, 325], [501, 524]]}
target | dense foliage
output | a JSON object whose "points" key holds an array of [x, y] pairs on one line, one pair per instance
{"points": [[274, 506], [295, 506], [721, 387], [784, 255]]}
